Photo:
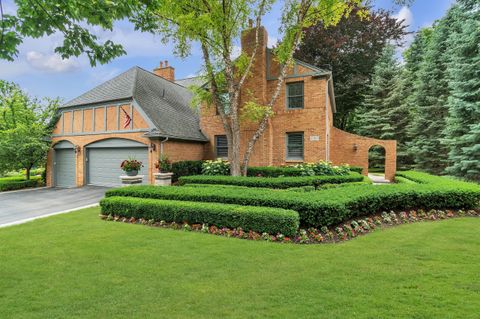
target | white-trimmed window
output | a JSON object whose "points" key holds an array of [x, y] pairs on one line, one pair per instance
{"points": [[294, 147]]}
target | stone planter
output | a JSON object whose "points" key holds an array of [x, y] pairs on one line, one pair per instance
{"points": [[131, 180], [163, 179], [131, 173]]}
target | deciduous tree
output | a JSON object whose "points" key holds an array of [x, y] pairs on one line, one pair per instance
{"points": [[350, 49]]}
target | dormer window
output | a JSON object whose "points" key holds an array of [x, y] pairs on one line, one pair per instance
{"points": [[295, 95]]}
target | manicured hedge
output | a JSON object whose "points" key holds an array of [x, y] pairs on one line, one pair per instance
{"points": [[273, 171], [259, 219], [329, 206], [186, 168], [14, 183], [270, 182], [357, 169]]}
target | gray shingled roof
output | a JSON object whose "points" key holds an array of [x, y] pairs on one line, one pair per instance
{"points": [[187, 82], [165, 103]]}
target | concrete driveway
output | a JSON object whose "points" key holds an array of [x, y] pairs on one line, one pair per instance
{"points": [[21, 206]]}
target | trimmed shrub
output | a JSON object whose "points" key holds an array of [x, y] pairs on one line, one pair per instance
{"points": [[273, 171], [356, 169], [216, 167], [186, 168], [259, 219], [270, 182], [14, 183], [325, 207]]}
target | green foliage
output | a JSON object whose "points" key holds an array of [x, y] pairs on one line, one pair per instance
{"points": [[329, 206], [306, 169], [14, 183], [322, 168], [186, 168], [350, 49], [462, 131], [25, 128], [259, 219], [383, 114], [430, 100], [272, 182], [216, 167], [273, 171]]}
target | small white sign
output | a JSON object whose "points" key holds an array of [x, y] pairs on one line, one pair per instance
{"points": [[314, 138]]}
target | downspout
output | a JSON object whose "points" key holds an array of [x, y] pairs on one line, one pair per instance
{"points": [[327, 124], [161, 146]]}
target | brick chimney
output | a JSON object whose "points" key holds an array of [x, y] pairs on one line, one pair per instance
{"points": [[258, 83], [165, 71]]}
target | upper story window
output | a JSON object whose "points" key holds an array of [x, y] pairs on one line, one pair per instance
{"points": [[221, 146], [295, 146], [295, 95]]}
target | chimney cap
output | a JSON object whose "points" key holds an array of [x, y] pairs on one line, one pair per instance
{"points": [[161, 64], [166, 63]]}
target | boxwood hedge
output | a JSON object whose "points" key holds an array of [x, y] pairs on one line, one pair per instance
{"points": [[270, 182], [14, 183], [259, 219], [329, 206]]}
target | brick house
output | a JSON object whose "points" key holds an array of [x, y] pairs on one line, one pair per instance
{"points": [[142, 114]]}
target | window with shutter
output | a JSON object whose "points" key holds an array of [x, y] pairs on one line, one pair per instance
{"points": [[295, 146], [221, 146], [295, 95]]}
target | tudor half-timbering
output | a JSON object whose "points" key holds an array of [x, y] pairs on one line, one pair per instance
{"points": [[142, 114]]}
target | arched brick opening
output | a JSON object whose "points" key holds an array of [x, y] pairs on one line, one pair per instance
{"points": [[376, 159], [353, 149]]}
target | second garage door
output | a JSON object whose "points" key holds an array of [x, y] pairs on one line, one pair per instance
{"points": [[104, 159]]}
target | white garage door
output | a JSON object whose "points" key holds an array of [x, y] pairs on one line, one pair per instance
{"points": [[104, 159]]}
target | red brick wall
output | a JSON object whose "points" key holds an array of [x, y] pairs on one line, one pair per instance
{"points": [[353, 149]]}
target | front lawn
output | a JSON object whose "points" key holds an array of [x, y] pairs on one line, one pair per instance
{"points": [[76, 265]]}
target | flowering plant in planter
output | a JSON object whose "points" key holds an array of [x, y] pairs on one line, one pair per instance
{"points": [[131, 166], [163, 164]]}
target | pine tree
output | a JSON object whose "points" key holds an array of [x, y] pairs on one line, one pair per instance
{"points": [[463, 124], [430, 99], [383, 114]]}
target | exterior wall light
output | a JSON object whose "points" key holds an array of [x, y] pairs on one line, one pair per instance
{"points": [[355, 147], [78, 149]]}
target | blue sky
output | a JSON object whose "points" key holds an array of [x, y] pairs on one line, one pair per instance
{"points": [[41, 72]]}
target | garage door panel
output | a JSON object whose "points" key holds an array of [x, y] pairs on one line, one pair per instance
{"points": [[64, 168], [104, 164]]}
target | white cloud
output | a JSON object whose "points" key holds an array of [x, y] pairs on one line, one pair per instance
{"points": [[405, 15], [51, 62], [272, 41], [236, 51], [103, 73]]}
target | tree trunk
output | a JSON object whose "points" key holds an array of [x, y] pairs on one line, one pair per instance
{"points": [[27, 173], [235, 167]]}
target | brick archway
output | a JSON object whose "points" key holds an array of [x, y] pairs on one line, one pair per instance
{"points": [[353, 149]]}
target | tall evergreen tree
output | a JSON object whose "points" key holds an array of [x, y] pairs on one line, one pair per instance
{"points": [[384, 114], [463, 124], [430, 98]]}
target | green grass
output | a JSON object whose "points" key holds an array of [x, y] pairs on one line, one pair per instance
{"points": [[78, 266]]}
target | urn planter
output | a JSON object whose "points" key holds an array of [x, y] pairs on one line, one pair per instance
{"points": [[163, 179], [132, 173]]}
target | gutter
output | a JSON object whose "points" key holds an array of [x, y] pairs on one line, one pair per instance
{"points": [[327, 124], [161, 146]]}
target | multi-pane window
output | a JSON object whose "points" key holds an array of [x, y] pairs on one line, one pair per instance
{"points": [[295, 95], [295, 146], [221, 146]]}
